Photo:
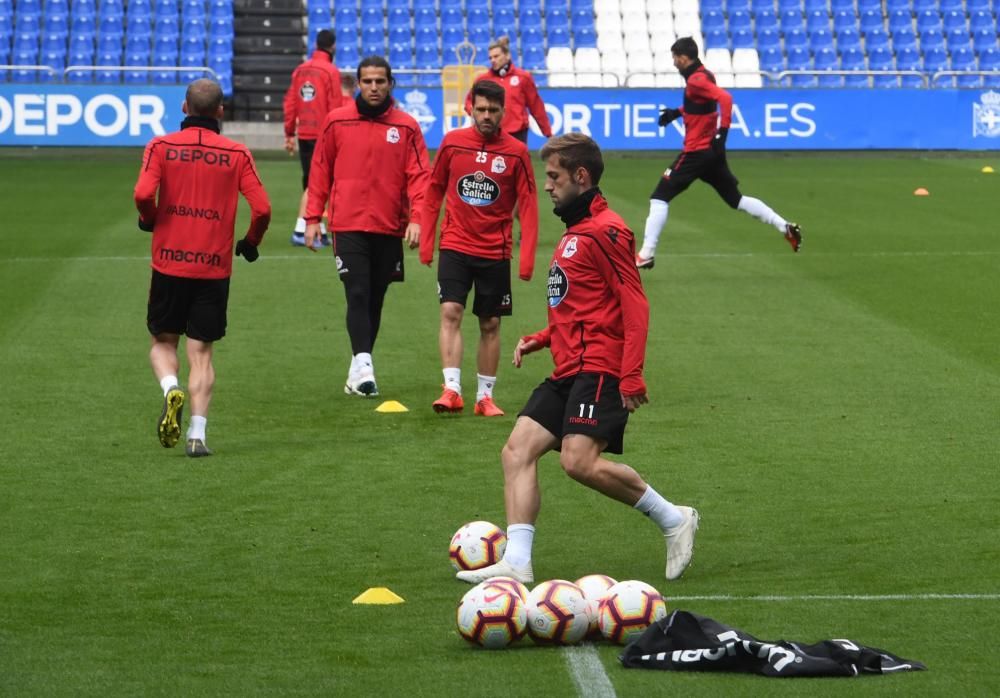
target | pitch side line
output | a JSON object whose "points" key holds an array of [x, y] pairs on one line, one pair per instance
{"points": [[838, 597], [587, 672]]}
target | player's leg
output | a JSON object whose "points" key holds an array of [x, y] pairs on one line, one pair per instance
{"points": [[166, 315], [206, 325], [492, 302], [725, 183], [675, 180], [306, 149], [354, 269], [454, 283]]}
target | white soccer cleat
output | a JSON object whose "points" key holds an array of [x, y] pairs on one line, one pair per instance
{"points": [[500, 569], [362, 384], [680, 543]]}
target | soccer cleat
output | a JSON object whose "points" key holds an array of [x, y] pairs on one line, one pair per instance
{"points": [[680, 543], [299, 240], [487, 408], [362, 384], [450, 401], [323, 240], [793, 233], [644, 262], [169, 426], [196, 448], [500, 569]]}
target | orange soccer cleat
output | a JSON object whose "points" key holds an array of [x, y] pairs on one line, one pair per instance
{"points": [[450, 401], [793, 233], [487, 408]]}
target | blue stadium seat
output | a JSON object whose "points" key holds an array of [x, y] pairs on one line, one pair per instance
{"points": [[399, 35], [909, 59], [220, 26], [935, 59], [108, 76], [372, 17], [478, 17], [714, 5], [820, 40], [57, 24], [480, 36], [428, 57], [193, 46], [452, 36], [876, 39], [924, 5], [111, 8], [931, 40], [28, 24], [852, 59], [972, 6], [785, 5], [29, 7], [848, 39], [558, 37], [109, 43], [137, 43], [419, 5], [139, 25], [717, 38], [743, 39], [772, 60], [712, 20], [164, 45], [220, 48], [816, 5], [532, 38], [739, 20], [845, 20], [533, 57], [451, 19], [955, 20], [990, 60], [768, 39], [58, 7], [897, 5], [929, 19], [737, 6], [882, 59], [220, 8], [758, 6], [791, 20], [899, 20], [842, 6], [166, 8], [370, 5], [425, 19], [194, 26], [826, 59], [193, 8], [345, 20], [398, 18], [958, 39], [982, 20], [817, 20], [51, 44], [347, 54], [582, 19], [166, 25], [425, 36], [799, 59], [584, 38], [392, 5], [373, 35], [984, 40], [81, 43], [903, 39], [965, 59], [796, 39], [871, 20], [765, 20], [400, 56], [504, 22]]}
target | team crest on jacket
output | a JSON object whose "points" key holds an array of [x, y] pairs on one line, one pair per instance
{"points": [[499, 165], [558, 286], [392, 135], [570, 249], [477, 189], [515, 81], [307, 92]]}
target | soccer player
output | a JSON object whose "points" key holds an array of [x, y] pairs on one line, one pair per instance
{"points": [[484, 172], [598, 319], [315, 90], [371, 157], [522, 95], [703, 156], [198, 174]]}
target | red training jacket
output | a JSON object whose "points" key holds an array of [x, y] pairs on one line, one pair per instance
{"points": [[520, 98], [702, 98], [314, 93], [481, 181], [598, 312], [376, 168], [199, 175]]}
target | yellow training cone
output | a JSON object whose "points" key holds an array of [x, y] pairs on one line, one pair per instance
{"points": [[391, 406], [987, 170], [920, 191], [379, 596]]}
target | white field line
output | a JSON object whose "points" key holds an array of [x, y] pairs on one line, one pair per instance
{"points": [[769, 598], [587, 672]]}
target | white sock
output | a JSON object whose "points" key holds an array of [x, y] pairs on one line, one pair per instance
{"points": [[519, 540], [300, 225], [196, 428], [486, 384], [653, 505], [453, 379], [322, 228], [655, 221], [363, 363], [168, 382], [762, 212]]}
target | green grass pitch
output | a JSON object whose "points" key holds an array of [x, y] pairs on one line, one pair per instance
{"points": [[834, 415]]}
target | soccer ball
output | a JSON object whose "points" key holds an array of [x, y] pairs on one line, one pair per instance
{"points": [[509, 584], [491, 617], [557, 613], [476, 545], [594, 587], [628, 609]]}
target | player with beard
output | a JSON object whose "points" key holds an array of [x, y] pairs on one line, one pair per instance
{"points": [[483, 173], [598, 320], [372, 159]]}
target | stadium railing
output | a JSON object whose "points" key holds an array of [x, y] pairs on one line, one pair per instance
{"points": [[777, 78]]}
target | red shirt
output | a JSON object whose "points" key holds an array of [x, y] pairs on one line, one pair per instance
{"points": [[702, 98], [376, 169], [521, 97], [199, 175], [598, 312], [314, 93], [482, 181]]}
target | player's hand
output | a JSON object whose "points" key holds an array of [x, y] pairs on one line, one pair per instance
{"points": [[633, 402], [667, 115], [247, 250], [290, 145], [719, 142], [525, 346], [145, 227], [412, 235], [311, 235]]}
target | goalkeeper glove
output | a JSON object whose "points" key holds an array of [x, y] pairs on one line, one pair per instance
{"points": [[719, 142], [247, 251], [668, 115], [145, 227]]}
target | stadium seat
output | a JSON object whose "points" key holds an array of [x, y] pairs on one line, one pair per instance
{"points": [[768, 39], [958, 39], [736, 6], [817, 20], [900, 20], [220, 26], [533, 57], [984, 40], [924, 5], [799, 59], [717, 38], [743, 39], [345, 20], [81, 44], [29, 7], [931, 40], [973, 6], [451, 37], [51, 43], [194, 26], [876, 39], [587, 65], [935, 59], [897, 5], [765, 20], [848, 39], [796, 39], [903, 39], [826, 59], [400, 56], [791, 20], [990, 60], [220, 8], [845, 20], [772, 60], [871, 20], [954, 20], [821, 39], [193, 8], [347, 54], [965, 59], [111, 8], [738, 21], [559, 63], [854, 59], [882, 59], [929, 19], [909, 59], [712, 20], [504, 22]]}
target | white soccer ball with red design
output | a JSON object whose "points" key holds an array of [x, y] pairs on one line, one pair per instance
{"points": [[476, 545], [629, 608], [557, 613], [509, 584], [594, 587], [491, 617]]}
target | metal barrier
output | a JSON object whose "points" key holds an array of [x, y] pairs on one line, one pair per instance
{"points": [[778, 77]]}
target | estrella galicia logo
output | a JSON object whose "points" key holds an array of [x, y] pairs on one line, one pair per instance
{"points": [[558, 285], [986, 116], [477, 189], [307, 92]]}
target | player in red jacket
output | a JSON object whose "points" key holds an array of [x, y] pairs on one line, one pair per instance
{"points": [[372, 158], [483, 173], [704, 154], [598, 320], [199, 175], [314, 92], [521, 94]]}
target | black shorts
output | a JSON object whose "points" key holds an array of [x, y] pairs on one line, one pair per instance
{"points": [[195, 307], [457, 272], [586, 403], [521, 135], [374, 257], [306, 149], [699, 164]]}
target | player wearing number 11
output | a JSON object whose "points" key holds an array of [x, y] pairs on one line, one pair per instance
{"points": [[598, 319]]}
